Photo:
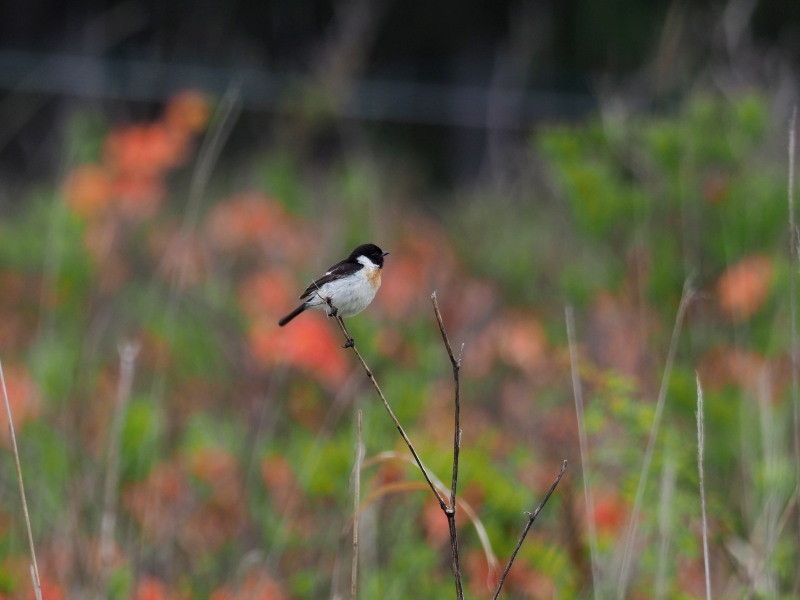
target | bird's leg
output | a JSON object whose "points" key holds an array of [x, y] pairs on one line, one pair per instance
{"points": [[350, 341], [332, 310]]}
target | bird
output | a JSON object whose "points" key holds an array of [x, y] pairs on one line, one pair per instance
{"points": [[346, 288]]}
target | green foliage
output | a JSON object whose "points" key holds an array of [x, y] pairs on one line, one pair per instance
{"points": [[237, 443], [141, 442]]}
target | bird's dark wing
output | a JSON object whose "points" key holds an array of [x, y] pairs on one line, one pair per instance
{"points": [[342, 269]]}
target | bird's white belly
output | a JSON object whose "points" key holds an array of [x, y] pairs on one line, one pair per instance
{"points": [[350, 295]]}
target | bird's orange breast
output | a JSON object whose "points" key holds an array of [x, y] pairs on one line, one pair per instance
{"points": [[374, 278]]}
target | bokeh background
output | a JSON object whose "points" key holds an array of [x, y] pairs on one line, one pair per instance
{"points": [[173, 174]]}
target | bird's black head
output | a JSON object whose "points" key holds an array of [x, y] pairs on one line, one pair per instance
{"points": [[370, 251]]}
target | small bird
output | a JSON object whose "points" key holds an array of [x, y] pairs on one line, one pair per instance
{"points": [[347, 287]]}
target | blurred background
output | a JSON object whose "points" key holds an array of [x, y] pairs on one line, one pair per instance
{"points": [[172, 175]]}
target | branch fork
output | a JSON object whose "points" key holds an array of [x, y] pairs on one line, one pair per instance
{"points": [[448, 508]]}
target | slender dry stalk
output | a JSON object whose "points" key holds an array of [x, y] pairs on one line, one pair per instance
{"points": [[356, 504], [450, 511], [127, 362], [700, 450], [584, 447], [531, 518], [794, 251], [665, 506], [37, 583], [389, 410], [633, 522]]}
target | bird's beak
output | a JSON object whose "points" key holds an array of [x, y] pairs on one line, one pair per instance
{"points": [[385, 253]]}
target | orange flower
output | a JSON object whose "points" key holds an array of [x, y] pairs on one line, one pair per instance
{"points": [[256, 586], [88, 190], [279, 479], [744, 286], [51, 590], [751, 371], [188, 112], [267, 293], [151, 588], [146, 149], [404, 288], [609, 514], [243, 221], [307, 344], [138, 194], [157, 502]]}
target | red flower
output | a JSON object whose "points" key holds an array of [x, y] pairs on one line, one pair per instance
{"points": [[744, 286], [307, 344]]}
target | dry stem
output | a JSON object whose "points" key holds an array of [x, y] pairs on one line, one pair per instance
{"points": [[794, 250], [450, 511], [389, 410], [700, 448], [37, 584], [630, 534], [356, 511], [584, 447], [127, 359], [531, 518]]}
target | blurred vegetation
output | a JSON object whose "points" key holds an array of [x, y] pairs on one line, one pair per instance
{"points": [[237, 441]]}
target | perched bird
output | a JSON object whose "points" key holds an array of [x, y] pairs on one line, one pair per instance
{"points": [[346, 288]]}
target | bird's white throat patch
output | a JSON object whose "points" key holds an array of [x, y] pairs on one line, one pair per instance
{"points": [[365, 261]]}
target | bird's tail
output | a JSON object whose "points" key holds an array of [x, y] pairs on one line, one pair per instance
{"points": [[292, 315]]}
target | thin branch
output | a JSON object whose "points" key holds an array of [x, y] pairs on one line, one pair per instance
{"points": [[531, 518], [584, 447], [450, 511], [700, 448], [37, 583], [356, 510], [389, 410], [456, 364], [127, 360], [630, 535]]}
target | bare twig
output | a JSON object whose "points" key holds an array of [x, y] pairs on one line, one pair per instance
{"points": [[630, 533], [37, 584], [700, 448], [450, 511], [531, 518], [356, 510], [127, 359], [584, 446], [389, 410]]}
